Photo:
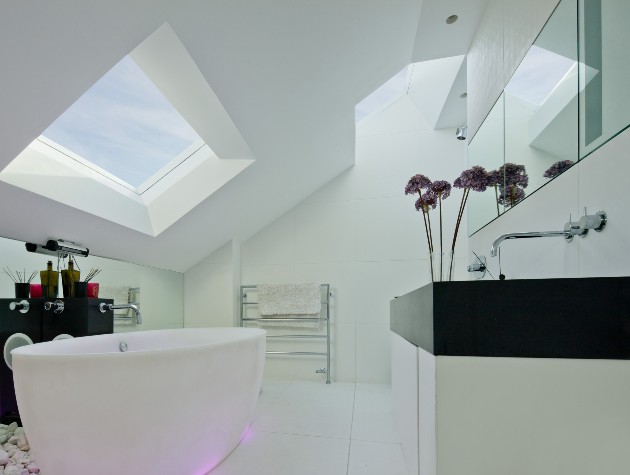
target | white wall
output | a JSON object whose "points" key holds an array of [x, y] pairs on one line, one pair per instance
{"points": [[361, 234], [161, 294], [209, 290]]}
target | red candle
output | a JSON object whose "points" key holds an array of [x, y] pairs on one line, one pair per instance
{"points": [[92, 290], [36, 291]]}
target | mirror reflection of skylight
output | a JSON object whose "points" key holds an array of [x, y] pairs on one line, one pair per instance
{"points": [[383, 96], [124, 125], [538, 74]]}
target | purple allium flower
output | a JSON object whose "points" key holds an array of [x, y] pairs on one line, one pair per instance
{"points": [[441, 188], [427, 201], [476, 178], [514, 175], [514, 195], [416, 184], [558, 168], [495, 178]]}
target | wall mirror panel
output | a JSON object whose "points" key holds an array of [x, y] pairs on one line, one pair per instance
{"points": [[486, 150], [605, 96], [567, 98], [538, 139], [541, 105], [160, 292]]}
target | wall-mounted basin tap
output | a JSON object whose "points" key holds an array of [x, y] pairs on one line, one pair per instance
{"points": [[57, 306], [22, 306], [536, 234], [104, 307], [580, 228]]}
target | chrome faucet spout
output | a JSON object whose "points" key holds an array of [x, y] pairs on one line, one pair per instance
{"points": [[536, 234], [103, 307]]}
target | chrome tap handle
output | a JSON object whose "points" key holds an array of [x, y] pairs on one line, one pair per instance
{"points": [[573, 228], [22, 306], [57, 306], [596, 221]]}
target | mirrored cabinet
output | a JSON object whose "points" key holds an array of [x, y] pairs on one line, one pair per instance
{"points": [[566, 98]]}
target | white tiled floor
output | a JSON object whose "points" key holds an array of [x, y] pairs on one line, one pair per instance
{"points": [[310, 428]]}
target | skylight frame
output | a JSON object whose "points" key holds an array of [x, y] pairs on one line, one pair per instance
{"points": [[58, 174]]}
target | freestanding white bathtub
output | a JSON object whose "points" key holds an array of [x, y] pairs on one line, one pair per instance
{"points": [[177, 402]]}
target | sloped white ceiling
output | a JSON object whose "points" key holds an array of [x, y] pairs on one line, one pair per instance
{"points": [[287, 73]]}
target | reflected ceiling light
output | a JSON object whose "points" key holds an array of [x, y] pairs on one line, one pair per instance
{"points": [[451, 19]]}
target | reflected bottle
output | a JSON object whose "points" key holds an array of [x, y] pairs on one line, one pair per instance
{"points": [[68, 277], [50, 281]]}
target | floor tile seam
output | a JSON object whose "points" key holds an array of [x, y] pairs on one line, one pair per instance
{"points": [[281, 392], [297, 434], [351, 426], [359, 439], [348, 463], [317, 406], [258, 416], [361, 410]]}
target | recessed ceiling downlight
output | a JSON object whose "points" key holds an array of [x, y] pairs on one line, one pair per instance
{"points": [[451, 19]]}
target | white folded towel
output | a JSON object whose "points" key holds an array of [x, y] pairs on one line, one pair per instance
{"points": [[295, 300]]}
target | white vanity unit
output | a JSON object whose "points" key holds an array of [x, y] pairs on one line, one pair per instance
{"points": [[489, 378]]}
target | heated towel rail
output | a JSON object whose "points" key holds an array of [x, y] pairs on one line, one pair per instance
{"points": [[249, 302]]}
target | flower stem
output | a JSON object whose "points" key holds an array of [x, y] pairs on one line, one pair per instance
{"points": [[496, 195], [426, 229], [441, 253], [460, 215], [430, 234]]}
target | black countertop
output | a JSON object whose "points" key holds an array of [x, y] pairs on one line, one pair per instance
{"points": [[540, 318]]}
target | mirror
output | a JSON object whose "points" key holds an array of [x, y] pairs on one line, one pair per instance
{"points": [[538, 137], [486, 150], [541, 103], [161, 292], [604, 93]]}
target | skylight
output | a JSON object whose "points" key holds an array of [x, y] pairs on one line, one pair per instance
{"points": [[125, 126], [383, 96], [538, 74], [125, 152]]}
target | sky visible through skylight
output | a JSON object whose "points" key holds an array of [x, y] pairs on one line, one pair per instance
{"points": [[124, 125], [382, 97], [538, 74]]}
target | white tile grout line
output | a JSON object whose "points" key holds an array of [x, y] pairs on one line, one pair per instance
{"points": [[354, 400]]}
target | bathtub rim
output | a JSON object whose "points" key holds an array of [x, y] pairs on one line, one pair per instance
{"points": [[26, 352]]}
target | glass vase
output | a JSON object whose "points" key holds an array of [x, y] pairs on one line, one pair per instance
{"points": [[442, 265]]}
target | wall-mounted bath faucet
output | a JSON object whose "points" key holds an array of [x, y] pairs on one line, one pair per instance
{"points": [[104, 307], [22, 306]]}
